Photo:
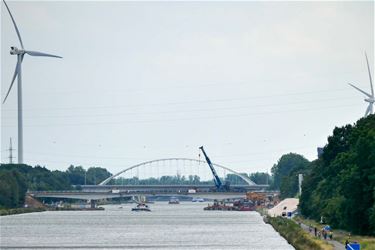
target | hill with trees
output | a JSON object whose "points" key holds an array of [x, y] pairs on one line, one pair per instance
{"points": [[341, 184], [285, 174], [16, 179]]}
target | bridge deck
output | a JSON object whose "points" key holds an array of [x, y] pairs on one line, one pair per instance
{"points": [[94, 192]]}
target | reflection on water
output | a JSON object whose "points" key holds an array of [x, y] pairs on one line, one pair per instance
{"points": [[183, 226]]}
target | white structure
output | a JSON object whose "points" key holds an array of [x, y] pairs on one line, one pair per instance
{"points": [[286, 206], [300, 179], [371, 97], [20, 53]]}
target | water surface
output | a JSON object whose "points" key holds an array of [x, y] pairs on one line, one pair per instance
{"points": [[183, 226]]}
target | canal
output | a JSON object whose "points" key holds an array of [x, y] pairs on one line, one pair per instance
{"points": [[182, 226]]}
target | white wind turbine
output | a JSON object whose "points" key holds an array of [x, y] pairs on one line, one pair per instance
{"points": [[17, 73], [371, 97]]}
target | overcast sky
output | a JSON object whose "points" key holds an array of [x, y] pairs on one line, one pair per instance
{"points": [[147, 80]]}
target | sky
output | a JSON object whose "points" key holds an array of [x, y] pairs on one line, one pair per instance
{"points": [[140, 81]]}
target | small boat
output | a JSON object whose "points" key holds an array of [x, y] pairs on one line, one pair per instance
{"points": [[141, 207], [174, 200], [197, 199]]}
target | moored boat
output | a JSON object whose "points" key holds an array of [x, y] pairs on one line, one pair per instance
{"points": [[174, 200], [141, 207], [197, 199]]}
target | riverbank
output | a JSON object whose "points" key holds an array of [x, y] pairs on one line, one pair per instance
{"points": [[21, 210], [296, 236], [367, 242]]}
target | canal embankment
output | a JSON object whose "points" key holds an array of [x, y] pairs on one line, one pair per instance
{"points": [[296, 236], [366, 242], [21, 210]]}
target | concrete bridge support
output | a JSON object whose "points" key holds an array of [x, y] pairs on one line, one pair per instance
{"points": [[92, 203]]}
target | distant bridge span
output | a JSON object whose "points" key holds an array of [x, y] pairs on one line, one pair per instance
{"points": [[245, 178]]}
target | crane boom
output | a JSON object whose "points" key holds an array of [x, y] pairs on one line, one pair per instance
{"points": [[218, 183]]}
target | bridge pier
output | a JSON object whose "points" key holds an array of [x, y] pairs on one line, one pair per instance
{"points": [[92, 204]]}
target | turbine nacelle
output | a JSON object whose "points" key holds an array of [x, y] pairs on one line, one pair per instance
{"points": [[370, 96], [16, 51]]}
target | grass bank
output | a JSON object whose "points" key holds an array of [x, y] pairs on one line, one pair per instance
{"points": [[296, 236], [367, 242], [21, 210]]}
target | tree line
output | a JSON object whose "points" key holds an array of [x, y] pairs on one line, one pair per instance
{"points": [[340, 184], [232, 179], [16, 179]]}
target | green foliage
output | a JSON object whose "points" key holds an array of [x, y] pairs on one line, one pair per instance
{"points": [[285, 174], [76, 175], [296, 236], [16, 179], [190, 180], [341, 185], [235, 179], [95, 175], [163, 180], [261, 178], [12, 189]]}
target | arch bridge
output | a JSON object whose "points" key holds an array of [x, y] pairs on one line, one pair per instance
{"points": [[149, 163], [103, 190]]}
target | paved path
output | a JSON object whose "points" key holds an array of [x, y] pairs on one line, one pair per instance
{"points": [[337, 245]]}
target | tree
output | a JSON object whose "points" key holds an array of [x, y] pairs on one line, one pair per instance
{"points": [[76, 175], [261, 178], [235, 179], [341, 185], [285, 173], [95, 175], [12, 189]]}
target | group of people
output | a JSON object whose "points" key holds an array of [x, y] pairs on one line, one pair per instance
{"points": [[322, 233], [326, 233]]}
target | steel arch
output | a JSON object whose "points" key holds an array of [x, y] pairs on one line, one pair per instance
{"points": [[245, 178]]}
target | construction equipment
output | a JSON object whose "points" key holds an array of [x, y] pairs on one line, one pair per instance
{"points": [[219, 185]]}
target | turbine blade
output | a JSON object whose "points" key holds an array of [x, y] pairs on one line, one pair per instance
{"points": [[36, 53], [14, 23], [360, 90], [369, 75], [14, 77], [368, 110]]}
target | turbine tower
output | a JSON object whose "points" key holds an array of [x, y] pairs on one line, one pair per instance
{"points": [[20, 53], [371, 97]]}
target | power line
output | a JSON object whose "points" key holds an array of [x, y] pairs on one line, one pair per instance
{"points": [[184, 119], [275, 151], [179, 110], [10, 152], [179, 103]]}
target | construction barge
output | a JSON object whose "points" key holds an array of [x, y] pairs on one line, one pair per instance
{"points": [[239, 205]]}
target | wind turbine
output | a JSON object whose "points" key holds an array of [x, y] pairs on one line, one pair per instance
{"points": [[20, 53], [371, 97]]}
